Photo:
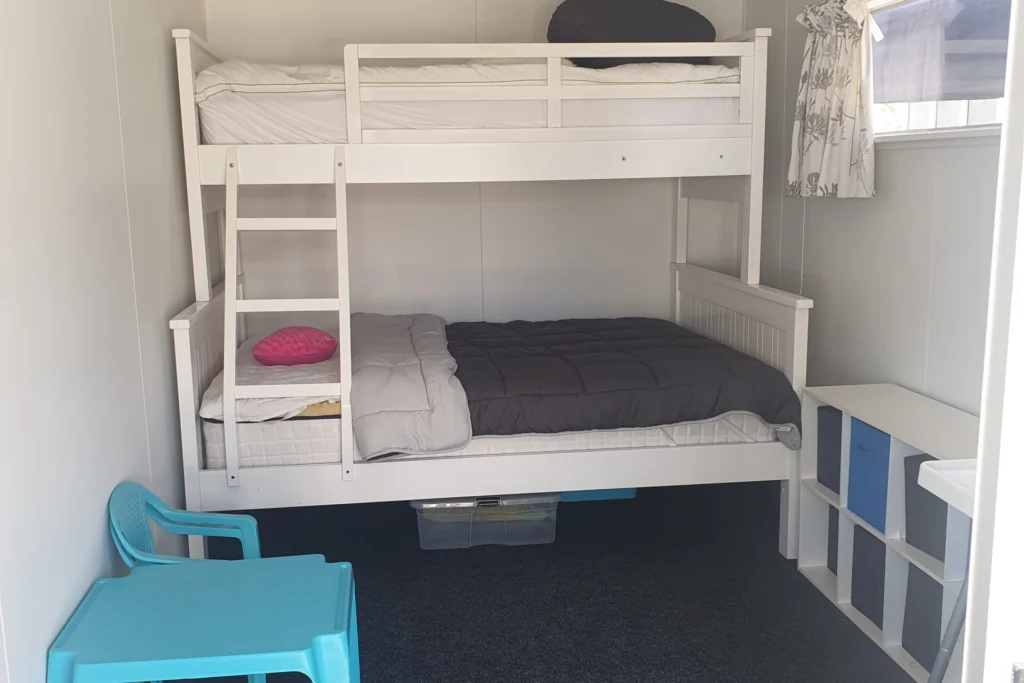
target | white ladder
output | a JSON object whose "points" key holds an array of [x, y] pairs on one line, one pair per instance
{"points": [[233, 305]]}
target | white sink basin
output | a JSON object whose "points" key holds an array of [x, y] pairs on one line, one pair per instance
{"points": [[952, 481]]}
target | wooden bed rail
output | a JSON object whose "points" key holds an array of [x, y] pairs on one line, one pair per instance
{"points": [[749, 49]]}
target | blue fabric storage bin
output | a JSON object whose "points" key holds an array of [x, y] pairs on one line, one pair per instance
{"points": [[600, 494], [869, 473]]}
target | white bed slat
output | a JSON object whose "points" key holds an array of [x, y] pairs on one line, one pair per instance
{"points": [[511, 93], [424, 51], [458, 93], [286, 305], [322, 390], [285, 224], [582, 134], [344, 316], [651, 91], [746, 89], [353, 109], [554, 92], [231, 317]]}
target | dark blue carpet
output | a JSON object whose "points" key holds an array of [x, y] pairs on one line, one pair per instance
{"points": [[679, 585]]}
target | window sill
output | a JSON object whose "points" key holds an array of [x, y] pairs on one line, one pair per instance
{"points": [[941, 137]]}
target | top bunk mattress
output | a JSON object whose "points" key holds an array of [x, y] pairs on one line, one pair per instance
{"points": [[247, 103], [600, 374]]}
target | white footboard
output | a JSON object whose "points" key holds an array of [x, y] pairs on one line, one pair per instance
{"points": [[766, 323], [198, 357]]}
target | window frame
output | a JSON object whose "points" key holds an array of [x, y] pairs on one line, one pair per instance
{"points": [[940, 135]]}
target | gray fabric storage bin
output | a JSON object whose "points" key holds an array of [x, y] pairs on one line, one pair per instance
{"points": [[868, 585], [922, 620], [925, 513], [830, 447]]}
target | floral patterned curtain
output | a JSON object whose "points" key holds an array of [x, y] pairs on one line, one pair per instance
{"points": [[833, 146]]}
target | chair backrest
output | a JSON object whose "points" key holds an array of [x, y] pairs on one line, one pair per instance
{"points": [[130, 507]]}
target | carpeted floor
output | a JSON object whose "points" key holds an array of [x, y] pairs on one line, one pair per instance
{"points": [[679, 585]]}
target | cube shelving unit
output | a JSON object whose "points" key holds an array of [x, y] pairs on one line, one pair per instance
{"points": [[889, 554]]}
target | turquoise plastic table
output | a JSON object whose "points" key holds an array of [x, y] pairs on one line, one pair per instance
{"points": [[209, 619]]}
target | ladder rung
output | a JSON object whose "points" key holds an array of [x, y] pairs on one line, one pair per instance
{"points": [[286, 305], [287, 224], [288, 390]]}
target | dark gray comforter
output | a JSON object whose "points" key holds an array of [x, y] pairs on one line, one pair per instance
{"points": [[576, 375]]}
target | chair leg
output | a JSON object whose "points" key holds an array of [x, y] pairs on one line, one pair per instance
{"points": [[353, 641]]}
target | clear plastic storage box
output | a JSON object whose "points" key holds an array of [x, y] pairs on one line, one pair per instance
{"points": [[498, 520]]}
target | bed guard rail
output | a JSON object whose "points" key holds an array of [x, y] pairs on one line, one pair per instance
{"points": [[750, 49]]}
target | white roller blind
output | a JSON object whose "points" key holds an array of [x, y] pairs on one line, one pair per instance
{"points": [[939, 50]]}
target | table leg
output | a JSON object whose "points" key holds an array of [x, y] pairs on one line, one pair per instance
{"points": [[953, 628]]}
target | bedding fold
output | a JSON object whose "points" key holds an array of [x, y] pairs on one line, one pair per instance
{"points": [[405, 396]]}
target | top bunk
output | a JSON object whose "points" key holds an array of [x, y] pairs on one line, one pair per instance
{"points": [[440, 113]]}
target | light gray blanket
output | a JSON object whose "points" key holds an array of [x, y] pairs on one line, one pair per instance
{"points": [[405, 396]]}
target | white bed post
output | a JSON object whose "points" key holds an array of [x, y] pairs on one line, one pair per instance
{"points": [[353, 101], [344, 314], [183, 42], [753, 91], [795, 362], [231, 317], [191, 434], [680, 242]]}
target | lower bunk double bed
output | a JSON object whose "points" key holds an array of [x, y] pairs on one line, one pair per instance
{"points": [[711, 397], [471, 389]]}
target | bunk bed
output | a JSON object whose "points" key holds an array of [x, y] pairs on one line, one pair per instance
{"points": [[489, 113]]}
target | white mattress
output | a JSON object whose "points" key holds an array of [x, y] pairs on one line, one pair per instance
{"points": [[245, 103], [317, 441]]}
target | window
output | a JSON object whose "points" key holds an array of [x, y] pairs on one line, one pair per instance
{"points": [[938, 63]]}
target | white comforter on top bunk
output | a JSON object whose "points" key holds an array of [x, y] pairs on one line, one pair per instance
{"points": [[405, 396]]}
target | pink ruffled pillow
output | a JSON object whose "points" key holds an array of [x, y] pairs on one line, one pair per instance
{"points": [[295, 346]]}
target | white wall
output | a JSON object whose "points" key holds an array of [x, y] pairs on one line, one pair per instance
{"points": [[157, 210], [463, 251], [76, 376], [316, 31], [900, 282]]}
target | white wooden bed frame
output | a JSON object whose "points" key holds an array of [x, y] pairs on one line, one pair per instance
{"points": [[762, 322]]}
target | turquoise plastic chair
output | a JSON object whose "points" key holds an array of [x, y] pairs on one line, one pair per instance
{"points": [[132, 506]]}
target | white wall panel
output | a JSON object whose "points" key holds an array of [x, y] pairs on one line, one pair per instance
{"points": [[95, 258], [867, 266], [158, 219], [900, 282], [714, 239], [416, 251], [576, 249], [961, 260], [317, 30], [67, 278]]}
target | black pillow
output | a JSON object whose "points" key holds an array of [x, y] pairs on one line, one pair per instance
{"points": [[628, 21]]}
